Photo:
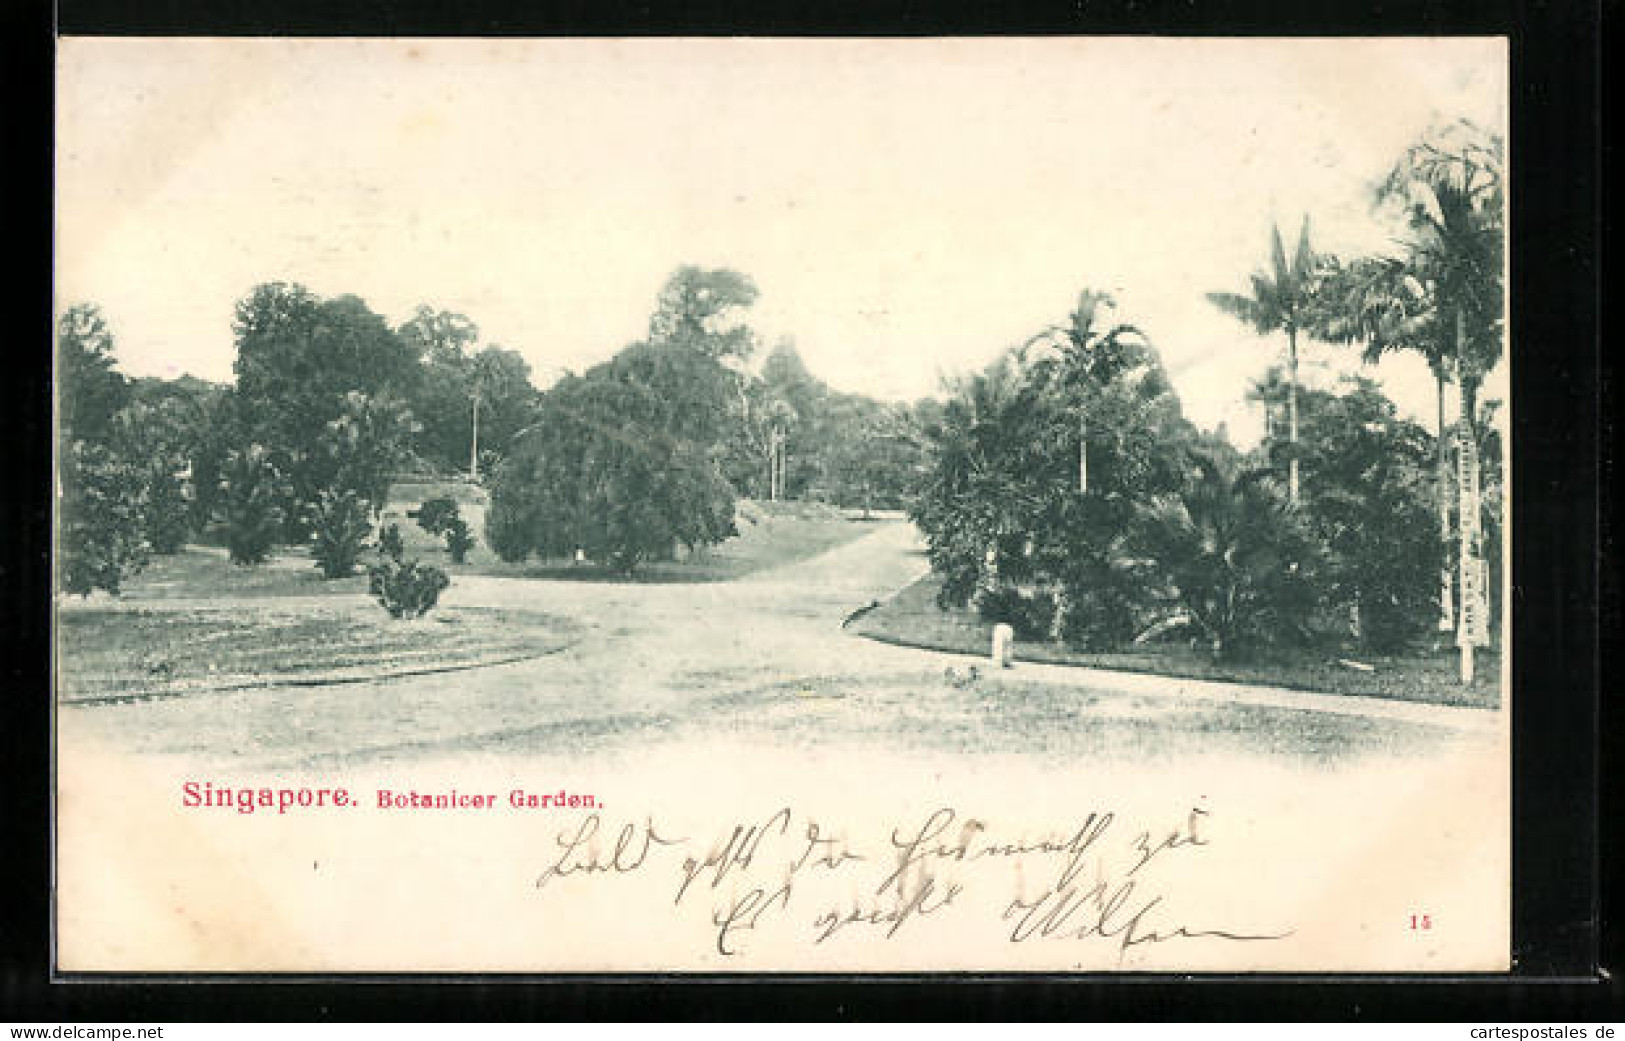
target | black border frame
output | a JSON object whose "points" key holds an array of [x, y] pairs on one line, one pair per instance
{"points": [[1562, 410]]}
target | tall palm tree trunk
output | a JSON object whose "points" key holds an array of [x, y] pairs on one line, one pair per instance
{"points": [[1292, 415]]}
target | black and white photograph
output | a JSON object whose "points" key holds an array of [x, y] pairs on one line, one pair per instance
{"points": [[1021, 504]]}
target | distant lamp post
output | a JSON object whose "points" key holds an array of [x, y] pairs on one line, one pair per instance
{"points": [[474, 439], [1083, 455]]}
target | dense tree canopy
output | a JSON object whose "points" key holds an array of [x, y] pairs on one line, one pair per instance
{"points": [[623, 463], [615, 467], [304, 364], [1005, 503], [1369, 501], [701, 309], [90, 389]]}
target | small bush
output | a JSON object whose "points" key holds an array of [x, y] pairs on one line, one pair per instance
{"points": [[1029, 615], [437, 516], [253, 495], [340, 526], [442, 517], [406, 588], [459, 540], [390, 543], [1099, 619]]}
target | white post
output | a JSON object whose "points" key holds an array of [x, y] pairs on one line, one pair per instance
{"points": [[1003, 638]]}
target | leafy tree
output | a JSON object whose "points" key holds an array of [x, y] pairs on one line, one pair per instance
{"points": [[90, 390], [699, 309], [1036, 466], [604, 472], [436, 515], [875, 455], [253, 491], [101, 519], [155, 439], [982, 451], [622, 463], [1282, 300], [358, 449], [441, 397], [1369, 505], [1111, 381], [1450, 189], [299, 360], [349, 469], [1383, 305], [503, 403]]}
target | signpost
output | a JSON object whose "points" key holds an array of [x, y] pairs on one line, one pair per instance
{"points": [[1472, 622]]}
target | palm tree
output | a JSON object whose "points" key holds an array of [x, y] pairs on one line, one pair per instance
{"points": [[1093, 355], [1282, 300], [971, 501], [1451, 185], [1270, 391], [1231, 555]]}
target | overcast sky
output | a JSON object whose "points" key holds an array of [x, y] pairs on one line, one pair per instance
{"points": [[907, 208]]}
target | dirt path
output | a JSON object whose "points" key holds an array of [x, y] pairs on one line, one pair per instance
{"points": [[765, 654]]}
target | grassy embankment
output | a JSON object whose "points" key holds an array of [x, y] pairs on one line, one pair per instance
{"points": [[913, 619], [121, 653]]}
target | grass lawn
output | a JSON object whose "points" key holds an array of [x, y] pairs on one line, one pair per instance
{"points": [[913, 619], [113, 653], [769, 535], [203, 572]]}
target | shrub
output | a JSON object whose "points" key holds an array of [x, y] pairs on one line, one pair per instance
{"points": [[103, 510], [340, 526], [459, 540], [436, 516], [390, 543], [442, 517], [406, 588], [1029, 614], [253, 493], [1235, 558], [1100, 619]]}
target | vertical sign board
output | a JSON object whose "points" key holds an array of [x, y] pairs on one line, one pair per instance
{"points": [[1474, 629]]}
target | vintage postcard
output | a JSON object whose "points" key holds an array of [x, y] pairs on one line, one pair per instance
{"points": [[782, 505]]}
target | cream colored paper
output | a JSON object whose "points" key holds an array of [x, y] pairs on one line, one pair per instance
{"points": [[909, 209]]}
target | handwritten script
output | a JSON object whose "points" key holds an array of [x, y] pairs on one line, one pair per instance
{"points": [[1098, 879]]}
